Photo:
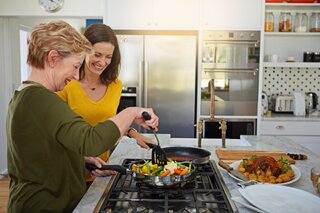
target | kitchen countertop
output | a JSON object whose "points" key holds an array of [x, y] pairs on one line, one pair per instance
{"points": [[313, 117], [127, 148]]}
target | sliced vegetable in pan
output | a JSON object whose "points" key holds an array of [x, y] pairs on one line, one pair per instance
{"points": [[172, 168]]}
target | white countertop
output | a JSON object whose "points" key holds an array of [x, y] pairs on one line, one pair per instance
{"points": [[127, 148]]}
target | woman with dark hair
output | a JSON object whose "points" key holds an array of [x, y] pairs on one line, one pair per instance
{"points": [[96, 95]]}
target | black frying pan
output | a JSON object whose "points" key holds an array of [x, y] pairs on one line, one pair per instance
{"points": [[196, 155], [156, 181]]}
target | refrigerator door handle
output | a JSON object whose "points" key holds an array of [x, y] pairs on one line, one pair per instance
{"points": [[145, 84], [140, 85]]}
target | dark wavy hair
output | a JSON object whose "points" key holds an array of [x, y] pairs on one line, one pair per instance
{"points": [[102, 33]]}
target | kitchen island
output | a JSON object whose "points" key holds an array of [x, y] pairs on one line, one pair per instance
{"points": [[127, 148]]}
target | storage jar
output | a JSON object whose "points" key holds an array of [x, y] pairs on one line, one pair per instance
{"points": [[315, 22], [285, 22], [300, 22], [269, 22]]}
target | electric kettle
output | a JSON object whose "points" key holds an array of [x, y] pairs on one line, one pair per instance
{"points": [[313, 100]]}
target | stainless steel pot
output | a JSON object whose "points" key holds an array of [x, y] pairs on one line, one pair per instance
{"points": [[155, 181]]}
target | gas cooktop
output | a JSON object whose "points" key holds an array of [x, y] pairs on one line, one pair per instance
{"points": [[205, 192]]}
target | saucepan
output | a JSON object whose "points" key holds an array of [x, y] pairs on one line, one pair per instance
{"points": [[155, 181]]}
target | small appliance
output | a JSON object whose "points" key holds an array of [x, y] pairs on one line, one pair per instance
{"points": [[264, 102], [299, 105], [281, 103], [312, 100]]}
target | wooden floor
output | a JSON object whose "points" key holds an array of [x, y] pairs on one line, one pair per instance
{"points": [[4, 192]]}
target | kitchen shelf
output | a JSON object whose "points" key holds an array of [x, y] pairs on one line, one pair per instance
{"points": [[300, 6], [291, 34], [291, 64]]}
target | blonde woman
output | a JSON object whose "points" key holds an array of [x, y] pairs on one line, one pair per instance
{"points": [[47, 141]]}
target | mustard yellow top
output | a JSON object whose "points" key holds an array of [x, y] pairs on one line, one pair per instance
{"points": [[91, 111]]}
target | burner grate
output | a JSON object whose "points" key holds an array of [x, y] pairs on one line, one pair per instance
{"points": [[203, 194]]}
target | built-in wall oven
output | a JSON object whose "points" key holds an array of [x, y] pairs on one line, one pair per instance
{"points": [[128, 98], [230, 65]]}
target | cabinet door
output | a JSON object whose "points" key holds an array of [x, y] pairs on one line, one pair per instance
{"points": [[128, 14], [290, 128], [232, 14], [177, 14]]}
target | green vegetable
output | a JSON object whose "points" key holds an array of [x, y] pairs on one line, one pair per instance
{"points": [[285, 168], [284, 160]]}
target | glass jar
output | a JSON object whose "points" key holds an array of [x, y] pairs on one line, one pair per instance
{"points": [[300, 22], [315, 22], [269, 22], [285, 22]]}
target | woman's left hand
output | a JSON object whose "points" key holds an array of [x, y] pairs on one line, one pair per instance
{"points": [[99, 162], [141, 139]]}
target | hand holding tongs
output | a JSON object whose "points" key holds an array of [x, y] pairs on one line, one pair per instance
{"points": [[146, 116], [158, 154]]}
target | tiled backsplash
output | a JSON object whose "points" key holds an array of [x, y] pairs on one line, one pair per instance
{"points": [[287, 80]]}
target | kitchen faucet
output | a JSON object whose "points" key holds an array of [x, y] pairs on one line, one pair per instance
{"points": [[222, 121]]}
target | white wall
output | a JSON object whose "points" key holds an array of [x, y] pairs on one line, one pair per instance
{"points": [[72, 8], [14, 13]]}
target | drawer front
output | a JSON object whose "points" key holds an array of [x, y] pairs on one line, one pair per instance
{"points": [[290, 128]]}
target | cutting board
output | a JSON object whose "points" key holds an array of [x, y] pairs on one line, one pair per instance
{"points": [[229, 156]]}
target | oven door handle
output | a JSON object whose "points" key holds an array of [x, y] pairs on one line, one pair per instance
{"points": [[254, 72], [255, 43], [231, 69]]}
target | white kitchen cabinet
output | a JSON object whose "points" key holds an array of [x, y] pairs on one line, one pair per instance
{"points": [[305, 133], [232, 14], [152, 14]]}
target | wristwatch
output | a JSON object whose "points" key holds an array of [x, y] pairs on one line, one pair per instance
{"points": [[129, 130]]}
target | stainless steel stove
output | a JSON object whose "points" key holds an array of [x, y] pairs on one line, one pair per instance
{"points": [[206, 192]]}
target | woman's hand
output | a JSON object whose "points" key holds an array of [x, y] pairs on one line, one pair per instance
{"points": [[153, 122], [99, 162], [142, 140]]}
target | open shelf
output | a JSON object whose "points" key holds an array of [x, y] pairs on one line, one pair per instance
{"points": [[291, 34], [301, 6], [291, 64]]}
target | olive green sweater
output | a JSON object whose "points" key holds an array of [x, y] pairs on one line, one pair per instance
{"points": [[46, 145]]}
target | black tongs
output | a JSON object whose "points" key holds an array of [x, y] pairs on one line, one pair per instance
{"points": [[158, 155]]}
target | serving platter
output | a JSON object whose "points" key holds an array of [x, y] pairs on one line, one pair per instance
{"points": [[297, 173], [277, 199]]}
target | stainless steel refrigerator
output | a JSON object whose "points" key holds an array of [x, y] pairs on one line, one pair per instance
{"points": [[162, 65]]}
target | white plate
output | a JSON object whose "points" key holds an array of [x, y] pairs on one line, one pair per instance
{"points": [[297, 173], [281, 199]]}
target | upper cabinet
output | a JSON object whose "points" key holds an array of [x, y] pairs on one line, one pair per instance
{"points": [[185, 14], [232, 14], [291, 32], [152, 14]]}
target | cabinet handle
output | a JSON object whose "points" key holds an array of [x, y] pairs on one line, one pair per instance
{"points": [[280, 127]]}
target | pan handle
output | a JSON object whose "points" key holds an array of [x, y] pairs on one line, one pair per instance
{"points": [[118, 168]]}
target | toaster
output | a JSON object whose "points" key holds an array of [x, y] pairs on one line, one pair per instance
{"points": [[281, 103]]}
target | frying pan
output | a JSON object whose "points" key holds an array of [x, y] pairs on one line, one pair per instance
{"points": [[155, 181], [196, 155]]}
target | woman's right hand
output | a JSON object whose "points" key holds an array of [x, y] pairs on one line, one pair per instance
{"points": [[153, 122]]}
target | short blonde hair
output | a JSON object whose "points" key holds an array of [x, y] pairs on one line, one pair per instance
{"points": [[55, 35]]}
